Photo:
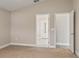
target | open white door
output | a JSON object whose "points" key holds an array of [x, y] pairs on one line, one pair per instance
{"points": [[72, 31], [42, 28]]}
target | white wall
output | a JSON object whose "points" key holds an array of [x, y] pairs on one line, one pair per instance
{"points": [[4, 27], [23, 21]]}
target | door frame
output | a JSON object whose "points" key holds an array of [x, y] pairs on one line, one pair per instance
{"points": [[74, 32], [48, 29], [73, 29], [55, 37]]}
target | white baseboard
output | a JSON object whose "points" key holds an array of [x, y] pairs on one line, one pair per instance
{"points": [[30, 45], [64, 44], [6, 45], [21, 44], [77, 53]]}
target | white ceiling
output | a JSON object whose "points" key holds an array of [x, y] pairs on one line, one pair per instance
{"points": [[12, 5]]}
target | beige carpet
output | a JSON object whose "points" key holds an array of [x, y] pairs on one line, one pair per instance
{"points": [[30, 52]]}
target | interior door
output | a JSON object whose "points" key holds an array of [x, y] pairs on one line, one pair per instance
{"points": [[42, 30], [72, 32]]}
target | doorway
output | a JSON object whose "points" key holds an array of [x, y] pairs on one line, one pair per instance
{"points": [[64, 25], [42, 28]]}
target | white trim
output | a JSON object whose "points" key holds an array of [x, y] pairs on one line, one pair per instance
{"points": [[65, 44], [49, 29], [22, 44], [3, 46], [54, 32], [77, 53]]}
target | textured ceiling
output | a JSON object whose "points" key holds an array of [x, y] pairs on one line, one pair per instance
{"points": [[12, 5]]}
